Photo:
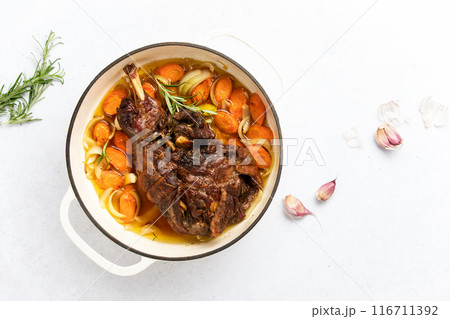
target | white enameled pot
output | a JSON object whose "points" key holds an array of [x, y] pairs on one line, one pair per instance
{"points": [[82, 188]]}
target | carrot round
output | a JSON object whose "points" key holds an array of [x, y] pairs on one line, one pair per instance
{"points": [[149, 89], [235, 142], [201, 91], [112, 101], [110, 179], [225, 122], [222, 90], [171, 71], [127, 207], [257, 131], [238, 98], [261, 156], [257, 109], [101, 133], [120, 141], [118, 159]]}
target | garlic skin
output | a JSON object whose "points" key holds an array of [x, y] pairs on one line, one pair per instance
{"points": [[326, 191], [390, 113], [294, 207], [352, 138], [387, 137], [433, 113]]}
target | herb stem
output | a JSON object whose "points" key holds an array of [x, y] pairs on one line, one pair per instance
{"points": [[25, 92], [175, 103]]}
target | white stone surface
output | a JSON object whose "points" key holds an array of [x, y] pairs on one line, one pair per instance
{"points": [[385, 230]]}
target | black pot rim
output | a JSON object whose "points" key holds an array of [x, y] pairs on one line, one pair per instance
{"points": [[69, 169]]}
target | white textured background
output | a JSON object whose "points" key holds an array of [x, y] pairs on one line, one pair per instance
{"points": [[386, 230]]}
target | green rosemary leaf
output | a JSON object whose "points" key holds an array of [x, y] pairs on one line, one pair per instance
{"points": [[173, 85], [25, 92], [175, 103], [103, 155]]}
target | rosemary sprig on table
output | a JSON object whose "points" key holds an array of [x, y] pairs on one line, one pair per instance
{"points": [[25, 92], [175, 103]]}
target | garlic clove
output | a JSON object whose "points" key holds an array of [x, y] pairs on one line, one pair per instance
{"points": [[326, 190], [387, 137], [392, 135], [381, 138], [295, 207]]}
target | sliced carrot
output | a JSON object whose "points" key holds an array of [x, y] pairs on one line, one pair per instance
{"points": [[222, 90], [120, 141], [118, 159], [101, 133], [127, 207], [110, 179], [257, 131], [171, 71], [235, 141], [201, 91], [113, 100], [238, 98], [257, 109], [173, 89], [261, 155], [149, 89], [225, 122]]}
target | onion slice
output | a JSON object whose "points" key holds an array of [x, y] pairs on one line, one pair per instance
{"points": [[241, 128], [105, 197], [244, 126], [246, 114], [111, 207], [89, 160], [116, 124], [100, 168], [188, 76], [89, 170], [264, 143], [92, 154], [213, 88], [88, 141], [138, 202], [130, 178], [112, 126], [225, 105], [162, 79], [208, 65], [189, 85]]}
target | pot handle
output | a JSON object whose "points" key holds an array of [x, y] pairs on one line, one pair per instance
{"points": [[234, 34], [89, 251]]}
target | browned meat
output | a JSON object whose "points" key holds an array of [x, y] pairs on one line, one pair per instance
{"points": [[200, 189], [147, 113]]}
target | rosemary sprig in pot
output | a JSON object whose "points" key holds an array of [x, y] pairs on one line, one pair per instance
{"points": [[175, 103]]}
